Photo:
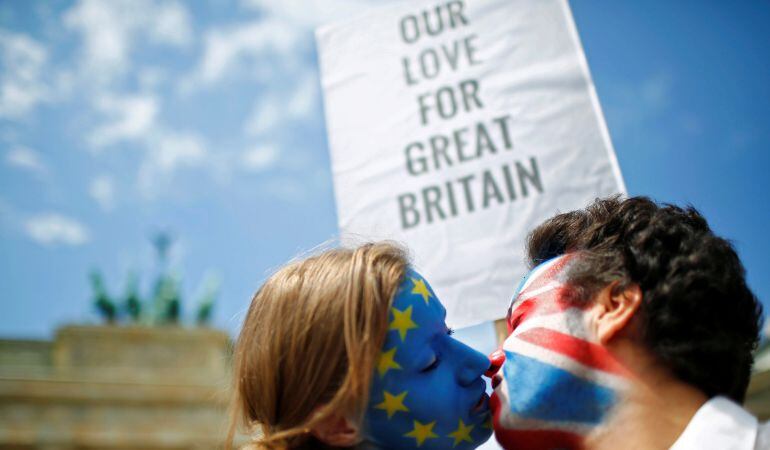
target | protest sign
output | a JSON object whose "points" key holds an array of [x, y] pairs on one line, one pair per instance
{"points": [[457, 126]]}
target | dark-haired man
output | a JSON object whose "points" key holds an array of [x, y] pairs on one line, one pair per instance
{"points": [[634, 330]]}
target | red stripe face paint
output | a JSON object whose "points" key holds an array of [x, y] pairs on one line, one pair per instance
{"points": [[558, 382], [587, 353]]}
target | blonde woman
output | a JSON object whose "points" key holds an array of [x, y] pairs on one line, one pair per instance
{"points": [[349, 348]]}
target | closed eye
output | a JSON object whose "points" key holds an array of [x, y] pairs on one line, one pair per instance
{"points": [[433, 364]]}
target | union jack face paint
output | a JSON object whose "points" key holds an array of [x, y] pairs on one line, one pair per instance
{"points": [[558, 382]]}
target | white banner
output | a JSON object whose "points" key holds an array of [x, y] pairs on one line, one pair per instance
{"points": [[456, 127]]}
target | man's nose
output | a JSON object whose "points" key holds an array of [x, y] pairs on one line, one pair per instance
{"points": [[472, 364]]}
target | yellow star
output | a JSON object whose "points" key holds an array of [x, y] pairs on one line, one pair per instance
{"points": [[386, 361], [421, 289], [402, 321], [462, 433], [422, 432], [393, 403]]}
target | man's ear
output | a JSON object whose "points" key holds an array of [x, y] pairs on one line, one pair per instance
{"points": [[337, 431], [615, 307]]}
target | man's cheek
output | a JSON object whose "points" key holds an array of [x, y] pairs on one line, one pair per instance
{"points": [[506, 433], [555, 389]]}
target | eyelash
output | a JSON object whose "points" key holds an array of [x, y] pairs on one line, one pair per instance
{"points": [[432, 365], [437, 358]]}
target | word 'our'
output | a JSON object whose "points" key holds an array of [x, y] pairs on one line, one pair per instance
{"points": [[432, 22]]}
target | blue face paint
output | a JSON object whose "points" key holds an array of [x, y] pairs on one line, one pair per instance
{"points": [[427, 391]]}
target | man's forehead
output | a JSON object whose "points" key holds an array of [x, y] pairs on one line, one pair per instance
{"points": [[542, 276]]}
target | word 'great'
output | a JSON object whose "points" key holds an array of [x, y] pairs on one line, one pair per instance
{"points": [[458, 146]]}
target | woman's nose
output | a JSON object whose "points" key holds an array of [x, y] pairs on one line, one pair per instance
{"points": [[472, 364]]}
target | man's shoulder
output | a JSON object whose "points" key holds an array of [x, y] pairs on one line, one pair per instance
{"points": [[763, 437], [720, 424]]}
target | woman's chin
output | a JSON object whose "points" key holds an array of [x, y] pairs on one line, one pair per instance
{"points": [[481, 407]]}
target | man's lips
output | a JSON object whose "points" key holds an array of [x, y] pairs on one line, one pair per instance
{"points": [[495, 400], [496, 380], [496, 361]]}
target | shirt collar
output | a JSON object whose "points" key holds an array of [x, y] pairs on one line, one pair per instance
{"points": [[721, 424]]}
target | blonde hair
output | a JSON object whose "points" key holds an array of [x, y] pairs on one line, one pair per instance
{"points": [[310, 340]]}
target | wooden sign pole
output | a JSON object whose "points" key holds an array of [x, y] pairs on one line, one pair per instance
{"points": [[501, 330]]}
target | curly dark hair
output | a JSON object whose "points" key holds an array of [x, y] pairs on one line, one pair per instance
{"points": [[698, 315]]}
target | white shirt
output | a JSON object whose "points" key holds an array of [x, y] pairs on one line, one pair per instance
{"points": [[721, 424]]}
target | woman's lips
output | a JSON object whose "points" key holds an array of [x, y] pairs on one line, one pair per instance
{"points": [[482, 405], [494, 405], [494, 402]]}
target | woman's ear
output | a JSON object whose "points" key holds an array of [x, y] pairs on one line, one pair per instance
{"points": [[337, 431], [615, 306]]}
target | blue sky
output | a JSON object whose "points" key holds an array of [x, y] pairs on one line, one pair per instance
{"points": [[119, 119]]}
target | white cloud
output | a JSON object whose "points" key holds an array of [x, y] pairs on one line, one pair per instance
{"points": [[259, 158], [246, 47], [110, 28], [167, 152], [22, 64], [26, 159], [311, 13], [282, 30], [102, 190], [286, 188], [293, 102], [656, 91], [268, 112], [132, 117], [169, 24], [105, 30], [151, 77], [175, 150], [304, 97], [630, 104], [52, 229]]}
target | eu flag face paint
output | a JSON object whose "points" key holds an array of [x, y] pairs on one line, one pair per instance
{"points": [[558, 383], [427, 391]]}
